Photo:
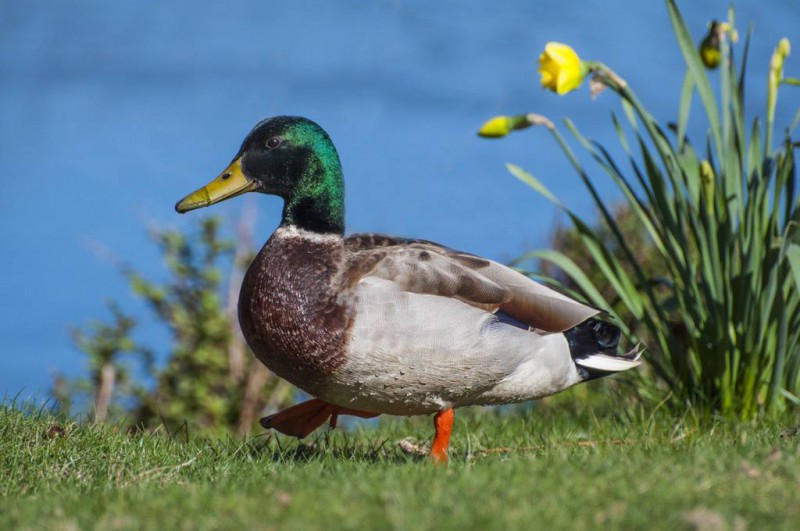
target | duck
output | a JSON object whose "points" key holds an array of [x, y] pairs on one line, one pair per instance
{"points": [[371, 324]]}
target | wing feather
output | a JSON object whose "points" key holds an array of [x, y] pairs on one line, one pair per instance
{"points": [[421, 266]]}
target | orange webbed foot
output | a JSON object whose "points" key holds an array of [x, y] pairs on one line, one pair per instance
{"points": [[302, 419]]}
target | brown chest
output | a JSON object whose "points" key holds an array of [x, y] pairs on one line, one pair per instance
{"points": [[292, 319]]}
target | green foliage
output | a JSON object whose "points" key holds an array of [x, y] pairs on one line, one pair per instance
{"points": [[210, 380], [560, 469], [567, 240], [110, 384], [194, 386], [723, 220]]}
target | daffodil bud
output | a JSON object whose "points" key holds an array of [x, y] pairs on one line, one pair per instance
{"points": [[707, 179], [709, 49], [561, 69], [495, 127], [782, 51], [500, 126], [730, 30], [785, 47]]}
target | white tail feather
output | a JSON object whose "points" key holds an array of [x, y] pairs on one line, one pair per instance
{"points": [[603, 362]]}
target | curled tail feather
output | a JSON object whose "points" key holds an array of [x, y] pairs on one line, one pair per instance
{"points": [[593, 345]]}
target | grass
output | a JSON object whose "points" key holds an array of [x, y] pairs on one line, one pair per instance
{"points": [[562, 467]]}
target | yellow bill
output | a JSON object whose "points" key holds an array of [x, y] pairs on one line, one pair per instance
{"points": [[229, 183]]}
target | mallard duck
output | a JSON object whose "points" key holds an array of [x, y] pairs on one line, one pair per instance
{"points": [[372, 324]]}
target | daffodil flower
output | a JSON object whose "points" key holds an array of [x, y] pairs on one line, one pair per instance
{"points": [[561, 69]]}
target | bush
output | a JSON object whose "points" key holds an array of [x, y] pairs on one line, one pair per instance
{"points": [[210, 380]]}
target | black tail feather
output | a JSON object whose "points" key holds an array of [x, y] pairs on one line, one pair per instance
{"points": [[589, 338]]}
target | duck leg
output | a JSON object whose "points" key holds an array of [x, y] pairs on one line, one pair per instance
{"points": [[443, 423], [336, 411], [302, 419]]}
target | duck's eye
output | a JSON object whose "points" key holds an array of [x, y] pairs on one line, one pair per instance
{"points": [[273, 142]]}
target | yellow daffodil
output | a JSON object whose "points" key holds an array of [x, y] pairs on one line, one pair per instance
{"points": [[561, 68]]}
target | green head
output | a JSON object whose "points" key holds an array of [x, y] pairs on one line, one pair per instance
{"points": [[290, 157]]}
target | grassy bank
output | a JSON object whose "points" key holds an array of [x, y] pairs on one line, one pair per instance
{"points": [[541, 468]]}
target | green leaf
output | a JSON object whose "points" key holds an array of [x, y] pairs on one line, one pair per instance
{"points": [[533, 182], [569, 267], [684, 108], [793, 256], [795, 121]]}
